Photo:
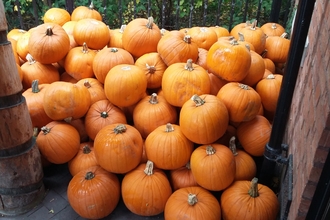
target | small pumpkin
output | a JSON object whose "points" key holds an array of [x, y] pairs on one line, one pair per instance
{"points": [[15, 33], [116, 37], [94, 193], [58, 142], [182, 177], [255, 36], [213, 166], [238, 27], [84, 159], [101, 114], [249, 200], [118, 148], [192, 203], [203, 119], [278, 48], [272, 29], [22, 45], [168, 147], [57, 15], [220, 31], [145, 190], [204, 37], [256, 70], [95, 89], [269, 64], [83, 11]]}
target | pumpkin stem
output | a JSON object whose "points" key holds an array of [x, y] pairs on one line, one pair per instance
{"points": [[68, 119], [188, 165], [189, 65], [104, 114], [35, 131], [89, 175], [243, 86], [45, 130], [234, 42], [263, 54], [274, 26], [84, 48], [113, 50], [35, 86], [153, 99], [150, 22], [86, 149], [30, 59], [192, 199], [87, 84], [122, 28], [253, 191], [254, 25], [270, 76], [91, 6], [149, 170], [187, 39], [210, 150], [169, 127], [198, 100], [151, 69], [284, 35], [49, 31], [119, 129], [232, 145], [241, 36], [162, 31]]}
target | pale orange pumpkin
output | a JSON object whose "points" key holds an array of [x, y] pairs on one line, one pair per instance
{"points": [[220, 31], [57, 15], [272, 29], [204, 37], [95, 89], [255, 36], [82, 12], [116, 37]]}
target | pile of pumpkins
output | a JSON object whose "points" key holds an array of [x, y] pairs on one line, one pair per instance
{"points": [[177, 114]]}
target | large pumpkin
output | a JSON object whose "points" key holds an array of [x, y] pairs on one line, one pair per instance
{"points": [[101, 114], [66, 100], [249, 200], [125, 85], [58, 142], [182, 80], [168, 148], [48, 43], [145, 190], [151, 112], [94, 193], [193, 203], [118, 148], [141, 36], [213, 166], [242, 101], [203, 119], [229, 60]]}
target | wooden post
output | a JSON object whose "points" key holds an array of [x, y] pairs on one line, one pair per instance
{"points": [[21, 174]]}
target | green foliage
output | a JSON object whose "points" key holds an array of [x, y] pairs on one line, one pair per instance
{"points": [[118, 12]]}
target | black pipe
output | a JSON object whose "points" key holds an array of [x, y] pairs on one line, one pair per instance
{"points": [[275, 11], [273, 149]]}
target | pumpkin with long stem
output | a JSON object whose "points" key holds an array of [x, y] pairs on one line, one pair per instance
{"points": [[249, 200], [193, 203]]}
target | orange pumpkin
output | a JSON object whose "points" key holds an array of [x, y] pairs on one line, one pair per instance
{"points": [[254, 135], [58, 142], [242, 101], [79, 124], [22, 45], [93, 32], [241, 40], [66, 100], [204, 37], [154, 68], [141, 36], [65, 77], [213, 166], [84, 159], [57, 15], [82, 12], [151, 112], [69, 26], [249, 200], [79, 62], [141, 201], [220, 31], [201, 61], [229, 60], [277, 48], [131, 85], [256, 70], [216, 83], [101, 114], [48, 43], [192, 203], [168, 147], [255, 36], [182, 177], [107, 58], [94, 193], [118, 148], [269, 64], [15, 33], [116, 37], [95, 89], [182, 80], [203, 119], [177, 47], [238, 27], [272, 29]]}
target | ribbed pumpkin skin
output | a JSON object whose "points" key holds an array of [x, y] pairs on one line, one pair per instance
{"points": [[206, 123], [118, 152], [143, 194], [213, 171], [182, 177], [256, 70], [101, 114], [168, 147], [254, 135], [82, 12], [94, 198], [237, 204], [206, 207], [277, 48], [57, 15], [95, 89], [60, 144]]}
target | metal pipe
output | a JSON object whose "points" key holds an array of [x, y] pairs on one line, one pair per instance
{"points": [[275, 11], [273, 149]]}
